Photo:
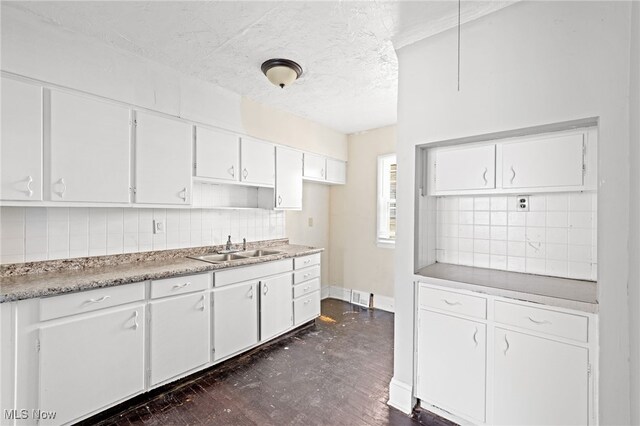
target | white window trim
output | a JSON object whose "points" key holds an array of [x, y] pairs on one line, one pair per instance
{"points": [[381, 241]]}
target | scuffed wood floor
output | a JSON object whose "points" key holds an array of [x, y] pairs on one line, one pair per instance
{"points": [[335, 372]]}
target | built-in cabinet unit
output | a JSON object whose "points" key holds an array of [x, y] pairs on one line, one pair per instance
{"points": [[553, 162], [21, 143], [306, 289], [288, 193], [179, 327], [257, 160], [491, 360], [163, 160], [90, 152], [217, 154], [464, 168], [315, 167], [336, 171], [276, 307]]}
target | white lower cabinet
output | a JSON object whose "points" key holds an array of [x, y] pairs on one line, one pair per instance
{"points": [[235, 322], [276, 308], [90, 361], [513, 363], [452, 363], [179, 335], [539, 381]]}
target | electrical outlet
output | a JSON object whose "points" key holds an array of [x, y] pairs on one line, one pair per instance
{"points": [[158, 227], [523, 203], [310, 222]]}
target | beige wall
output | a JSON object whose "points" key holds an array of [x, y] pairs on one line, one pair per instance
{"points": [[356, 262]]}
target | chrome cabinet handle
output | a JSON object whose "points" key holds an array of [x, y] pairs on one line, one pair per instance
{"points": [[245, 173], [102, 299], [184, 194], [451, 303], [251, 292], [265, 289], [279, 199], [484, 176], [179, 286], [475, 337], [202, 300], [29, 189], [539, 322], [232, 171], [135, 320], [513, 175], [507, 345], [64, 187]]}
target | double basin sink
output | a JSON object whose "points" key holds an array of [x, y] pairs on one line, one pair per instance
{"points": [[230, 257]]}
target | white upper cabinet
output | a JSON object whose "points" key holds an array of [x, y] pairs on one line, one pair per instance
{"points": [[288, 191], [336, 171], [257, 160], [468, 168], [90, 150], [315, 167], [546, 162], [21, 143], [163, 160], [217, 154]]}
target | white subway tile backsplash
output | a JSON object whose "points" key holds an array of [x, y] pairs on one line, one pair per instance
{"points": [[37, 233], [557, 236]]}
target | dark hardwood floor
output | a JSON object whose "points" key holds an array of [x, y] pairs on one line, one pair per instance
{"points": [[333, 372]]}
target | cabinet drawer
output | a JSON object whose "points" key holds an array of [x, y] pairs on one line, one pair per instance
{"points": [[462, 304], [306, 274], [561, 324], [306, 308], [306, 261], [179, 285], [306, 288], [88, 301], [253, 272]]}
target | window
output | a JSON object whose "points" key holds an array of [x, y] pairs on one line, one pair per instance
{"points": [[386, 234]]}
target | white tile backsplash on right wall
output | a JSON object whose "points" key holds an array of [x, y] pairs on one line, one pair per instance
{"points": [[557, 236]]}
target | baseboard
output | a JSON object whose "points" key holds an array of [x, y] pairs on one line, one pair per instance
{"points": [[401, 396], [384, 303]]}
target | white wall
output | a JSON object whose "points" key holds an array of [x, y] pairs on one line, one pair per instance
{"points": [[39, 49], [634, 216], [356, 260], [530, 64]]}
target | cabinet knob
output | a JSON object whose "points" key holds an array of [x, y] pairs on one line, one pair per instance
{"points": [[135, 320], [232, 171], [265, 289], [245, 173], [102, 299], [484, 176], [202, 300], [179, 286], [279, 200], [29, 189], [63, 189], [513, 175], [184, 194], [507, 345]]}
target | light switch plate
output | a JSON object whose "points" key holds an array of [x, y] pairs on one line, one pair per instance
{"points": [[158, 227], [310, 222]]}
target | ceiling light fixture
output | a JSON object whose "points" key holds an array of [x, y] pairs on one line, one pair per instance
{"points": [[281, 72]]}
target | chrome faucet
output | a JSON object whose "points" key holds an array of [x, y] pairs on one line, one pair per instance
{"points": [[228, 246]]}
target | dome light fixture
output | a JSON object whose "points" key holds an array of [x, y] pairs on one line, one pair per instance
{"points": [[281, 72]]}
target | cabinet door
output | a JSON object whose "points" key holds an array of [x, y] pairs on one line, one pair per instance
{"points": [[276, 306], [257, 159], [163, 160], [314, 166], [288, 191], [539, 381], [235, 323], [21, 143], [336, 171], [217, 154], [89, 362], [451, 364], [552, 161], [465, 168], [90, 150], [180, 335]]}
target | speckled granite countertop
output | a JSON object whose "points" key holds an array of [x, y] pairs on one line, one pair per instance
{"points": [[553, 291], [32, 283]]}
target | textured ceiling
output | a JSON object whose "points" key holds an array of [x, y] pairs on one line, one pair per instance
{"points": [[345, 48]]}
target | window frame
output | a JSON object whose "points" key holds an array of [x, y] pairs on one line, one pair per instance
{"points": [[383, 212]]}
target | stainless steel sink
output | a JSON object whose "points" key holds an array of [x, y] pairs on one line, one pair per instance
{"points": [[219, 258], [258, 253]]}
